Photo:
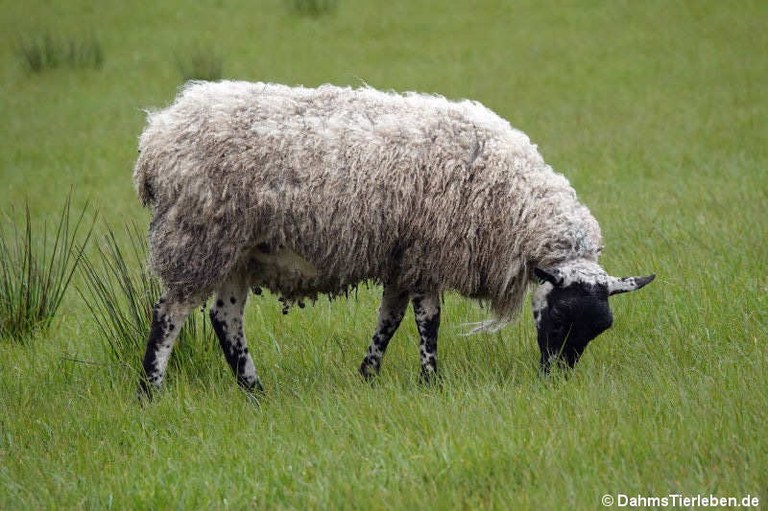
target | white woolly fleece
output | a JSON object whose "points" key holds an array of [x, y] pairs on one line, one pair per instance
{"points": [[409, 190]]}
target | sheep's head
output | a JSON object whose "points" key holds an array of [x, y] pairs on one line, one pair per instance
{"points": [[571, 308]]}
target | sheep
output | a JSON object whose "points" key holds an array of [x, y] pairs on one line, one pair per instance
{"points": [[308, 191]]}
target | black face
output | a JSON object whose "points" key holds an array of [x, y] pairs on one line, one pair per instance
{"points": [[567, 318]]}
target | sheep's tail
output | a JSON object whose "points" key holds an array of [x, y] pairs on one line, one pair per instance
{"points": [[145, 169], [142, 182]]}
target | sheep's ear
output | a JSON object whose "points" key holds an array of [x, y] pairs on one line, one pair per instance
{"points": [[551, 275], [622, 285]]}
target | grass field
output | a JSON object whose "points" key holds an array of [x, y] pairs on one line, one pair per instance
{"points": [[656, 111]]}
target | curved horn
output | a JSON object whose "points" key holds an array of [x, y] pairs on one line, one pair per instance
{"points": [[551, 275], [622, 285]]}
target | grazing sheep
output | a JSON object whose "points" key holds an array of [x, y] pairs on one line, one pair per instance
{"points": [[307, 191]]}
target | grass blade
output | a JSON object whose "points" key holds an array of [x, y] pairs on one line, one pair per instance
{"points": [[120, 292], [35, 272]]}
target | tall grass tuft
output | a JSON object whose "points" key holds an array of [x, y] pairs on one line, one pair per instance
{"points": [[200, 63], [35, 271], [120, 292], [313, 8], [47, 52]]}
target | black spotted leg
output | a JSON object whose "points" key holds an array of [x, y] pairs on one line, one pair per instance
{"points": [[227, 320], [391, 311], [426, 307], [167, 318]]}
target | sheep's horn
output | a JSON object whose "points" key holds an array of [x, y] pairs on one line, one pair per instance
{"points": [[622, 285]]}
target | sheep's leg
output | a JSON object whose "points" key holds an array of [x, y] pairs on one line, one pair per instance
{"points": [[227, 320], [426, 307], [391, 312], [167, 318]]}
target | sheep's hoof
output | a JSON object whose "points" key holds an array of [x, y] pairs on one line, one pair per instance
{"points": [[145, 391], [368, 372], [430, 379], [253, 387]]}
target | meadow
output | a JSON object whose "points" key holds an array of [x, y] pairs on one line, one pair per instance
{"points": [[655, 110]]}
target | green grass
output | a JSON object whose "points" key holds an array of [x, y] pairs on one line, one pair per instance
{"points": [[313, 8], [654, 110], [36, 267], [46, 52], [200, 63]]}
